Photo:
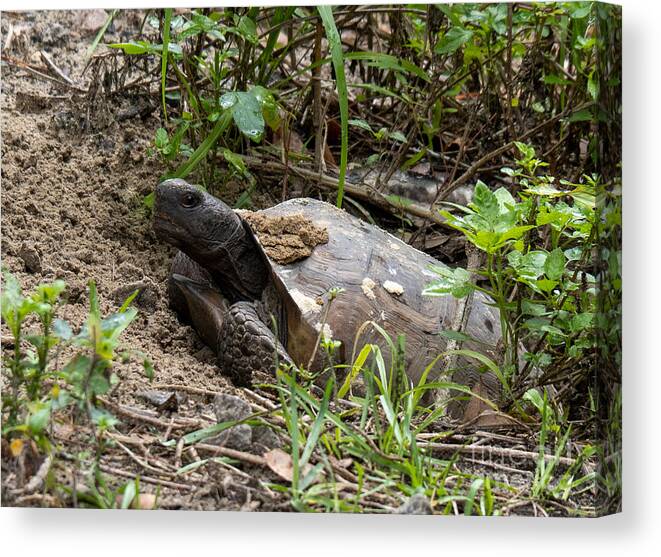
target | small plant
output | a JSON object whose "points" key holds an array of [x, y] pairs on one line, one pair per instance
{"points": [[538, 252], [40, 385]]}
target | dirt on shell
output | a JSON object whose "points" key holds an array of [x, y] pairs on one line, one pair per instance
{"points": [[286, 238]]}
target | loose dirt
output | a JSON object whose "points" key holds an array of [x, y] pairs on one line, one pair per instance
{"points": [[286, 238], [73, 185]]}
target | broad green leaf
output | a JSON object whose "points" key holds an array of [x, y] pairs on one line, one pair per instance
{"points": [[61, 329], [546, 285], [362, 124], [554, 266], [453, 40], [246, 112], [130, 491]]}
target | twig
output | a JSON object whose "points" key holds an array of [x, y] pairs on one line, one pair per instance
{"points": [[359, 191], [186, 388], [57, 71], [135, 458], [29, 69], [472, 170], [232, 453], [123, 410], [38, 479], [145, 479], [496, 451]]}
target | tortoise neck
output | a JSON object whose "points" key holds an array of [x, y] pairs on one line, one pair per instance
{"points": [[240, 266]]}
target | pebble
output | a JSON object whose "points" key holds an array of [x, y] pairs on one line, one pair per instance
{"points": [[31, 259]]}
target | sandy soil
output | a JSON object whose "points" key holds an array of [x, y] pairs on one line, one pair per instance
{"points": [[72, 207]]}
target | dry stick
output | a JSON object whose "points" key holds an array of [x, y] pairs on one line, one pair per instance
{"points": [[232, 453], [53, 67], [148, 419], [37, 481], [135, 458], [363, 192], [186, 388], [146, 479], [498, 466], [496, 451], [18, 64]]}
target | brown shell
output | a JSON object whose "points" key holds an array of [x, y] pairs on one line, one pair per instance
{"points": [[361, 258]]}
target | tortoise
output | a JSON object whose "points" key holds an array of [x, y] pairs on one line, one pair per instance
{"points": [[254, 312]]}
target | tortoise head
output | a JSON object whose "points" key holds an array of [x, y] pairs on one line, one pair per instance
{"points": [[213, 235]]}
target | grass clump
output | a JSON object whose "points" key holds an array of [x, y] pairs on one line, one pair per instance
{"points": [[46, 391]]}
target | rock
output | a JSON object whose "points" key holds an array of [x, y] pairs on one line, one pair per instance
{"points": [[90, 21], [230, 408], [162, 400], [31, 258], [147, 298], [417, 504], [238, 437], [264, 438]]}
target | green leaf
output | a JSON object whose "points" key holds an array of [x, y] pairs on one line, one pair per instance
{"points": [[546, 285], [335, 43], [61, 329], [204, 147], [357, 366], [161, 139], [131, 47], [485, 202], [39, 417], [554, 266], [235, 161], [98, 384], [246, 112], [452, 281], [453, 40], [130, 491], [583, 115], [543, 325], [362, 124], [316, 430], [555, 80], [248, 29], [167, 17]]}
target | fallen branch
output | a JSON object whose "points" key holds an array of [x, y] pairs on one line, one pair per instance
{"points": [[489, 451], [363, 192]]}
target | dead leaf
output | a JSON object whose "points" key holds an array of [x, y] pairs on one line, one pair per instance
{"points": [[479, 414], [281, 463], [16, 447], [143, 502]]}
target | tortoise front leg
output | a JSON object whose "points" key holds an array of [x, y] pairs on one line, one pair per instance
{"points": [[184, 266], [246, 345]]}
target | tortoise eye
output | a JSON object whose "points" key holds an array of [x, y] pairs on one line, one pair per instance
{"points": [[189, 200]]}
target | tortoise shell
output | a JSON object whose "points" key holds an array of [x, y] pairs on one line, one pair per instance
{"points": [[383, 279]]}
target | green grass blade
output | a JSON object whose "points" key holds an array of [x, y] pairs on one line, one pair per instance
{"points": [[355, 369], [326, 13], [318, 425], [100, 34], [199, 154], [164, 57]]}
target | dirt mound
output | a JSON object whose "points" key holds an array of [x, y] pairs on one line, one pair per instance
{"points": [[286, 238]]}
